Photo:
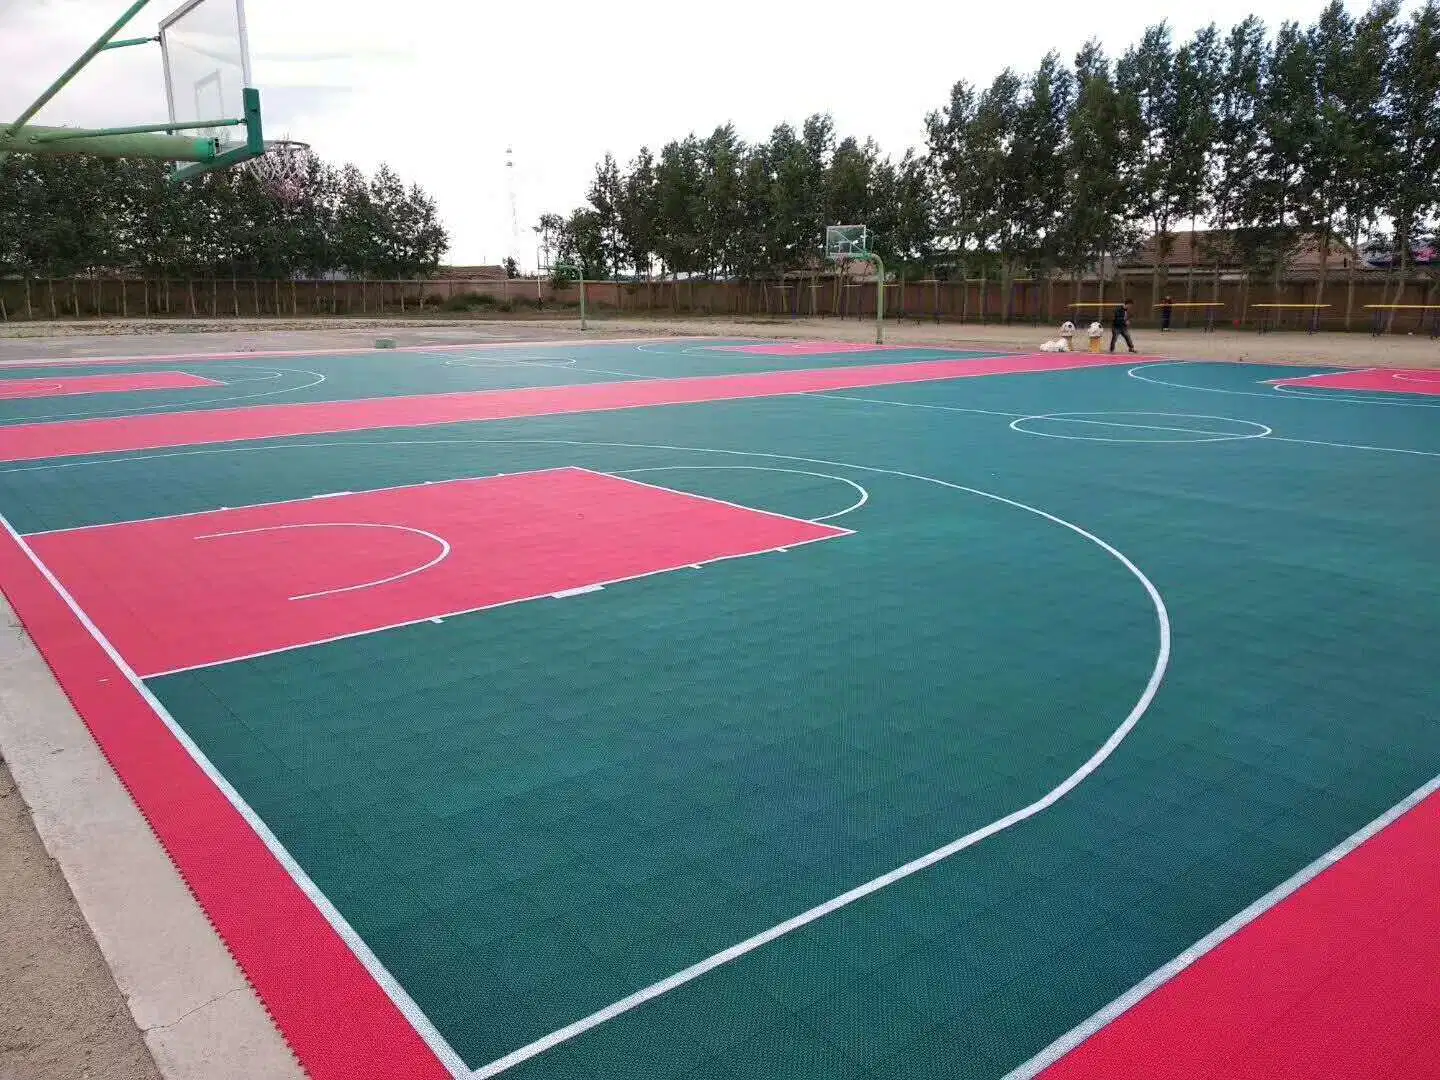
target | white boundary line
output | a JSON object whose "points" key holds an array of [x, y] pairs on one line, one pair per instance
{"points": [[387, 982], [1226, 930], [1178, 442], [1079, 418], [444, 548], [864, 495], [836, 529], [1353, 446], [1277, 393]]}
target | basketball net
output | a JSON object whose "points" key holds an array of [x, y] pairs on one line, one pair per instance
{"points": [[284, 170]]}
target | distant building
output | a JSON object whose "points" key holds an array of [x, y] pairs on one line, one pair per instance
{"points": [[471, 273], [1218, 247]]}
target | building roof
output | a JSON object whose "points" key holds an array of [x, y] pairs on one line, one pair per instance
{"points": [[471, 273], [1218, 245]]}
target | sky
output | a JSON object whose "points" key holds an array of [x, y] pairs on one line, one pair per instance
{"points": [[440, 89]]}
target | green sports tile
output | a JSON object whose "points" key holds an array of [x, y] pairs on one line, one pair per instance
{"points": [[776, 730], [863, 1021]]}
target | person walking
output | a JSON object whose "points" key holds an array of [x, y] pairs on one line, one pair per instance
{"points": [[1167, 308], [1120, 326]]}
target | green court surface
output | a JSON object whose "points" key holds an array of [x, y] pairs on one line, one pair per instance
{"points": [[281, 379], [1184, 620]]}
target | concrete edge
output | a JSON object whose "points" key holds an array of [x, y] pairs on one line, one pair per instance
{"points": [[199, 1016]]}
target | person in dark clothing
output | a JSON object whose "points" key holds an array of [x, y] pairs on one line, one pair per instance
{"points": [[1166, 307], [1120, 326]]}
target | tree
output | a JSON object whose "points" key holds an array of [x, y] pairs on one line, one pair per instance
{"points": [[1413, 115], [1286, 130], [1097, 216], [268, 218], [606, 197], [1365, 142], [1167, 158], [637, 214], [1233, 155]]}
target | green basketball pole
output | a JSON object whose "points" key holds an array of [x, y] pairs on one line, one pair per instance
{"points": [[579, 273], [879, 295]]}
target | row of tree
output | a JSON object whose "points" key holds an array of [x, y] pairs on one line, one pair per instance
{"points": [[276, 217], [1325, 134]]}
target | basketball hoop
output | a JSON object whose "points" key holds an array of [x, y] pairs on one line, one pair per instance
{"points": [[283, 169]]}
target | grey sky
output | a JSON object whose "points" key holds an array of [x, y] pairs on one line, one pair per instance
{"points": [[440, 88]]}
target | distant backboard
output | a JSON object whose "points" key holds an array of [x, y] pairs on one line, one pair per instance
{"points": [[207, 64], [846, 242]]}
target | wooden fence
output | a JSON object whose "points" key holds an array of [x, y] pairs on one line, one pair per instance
{"points": [[1235, 303]]}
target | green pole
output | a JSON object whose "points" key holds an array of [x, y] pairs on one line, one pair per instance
{"points": [[879, 297], [51, 135], [125, 43], [110, 143], [580, 273]]}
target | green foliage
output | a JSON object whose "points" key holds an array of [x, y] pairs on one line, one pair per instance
{"points": [[68, 215], [1330, 130]]}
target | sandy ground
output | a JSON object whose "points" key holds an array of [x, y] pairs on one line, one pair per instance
{"points": [[19, 341], [62, 1016]]}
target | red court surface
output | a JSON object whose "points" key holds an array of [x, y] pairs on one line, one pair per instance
{"points": [[33, 442], [183, 592], [1336, 982], [332, 1011], [71, 386], [1381, 380]]}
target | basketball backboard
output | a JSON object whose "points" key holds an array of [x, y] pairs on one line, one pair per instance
{"points": [[846, 242], [214, 111], [206, 57]]}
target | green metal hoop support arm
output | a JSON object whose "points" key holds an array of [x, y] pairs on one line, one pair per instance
{"points": [[579, 273], [106, 142], [137, 140], [74, 69]]}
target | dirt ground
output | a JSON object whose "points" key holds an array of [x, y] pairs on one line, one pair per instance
{"points": [[138, 336], [61, 1014]]}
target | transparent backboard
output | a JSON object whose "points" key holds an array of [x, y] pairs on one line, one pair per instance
{"points": [[207, 64], [846, 241]]}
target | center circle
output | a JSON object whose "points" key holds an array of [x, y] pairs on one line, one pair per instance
{"points": [[1139, 427]]}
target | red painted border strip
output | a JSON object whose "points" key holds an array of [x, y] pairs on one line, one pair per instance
{"points": [[331, 1011], [32, 442], [1336, 982], [1418, 381], [75, 385]]}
